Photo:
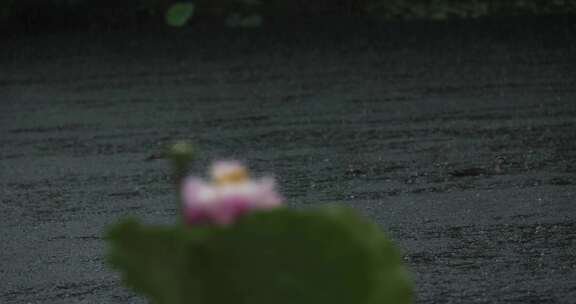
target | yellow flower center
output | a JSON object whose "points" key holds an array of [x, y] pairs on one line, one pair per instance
{"points": [[236, 176]]}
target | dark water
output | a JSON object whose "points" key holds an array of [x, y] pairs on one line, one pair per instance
{"points": [[458, 140]]}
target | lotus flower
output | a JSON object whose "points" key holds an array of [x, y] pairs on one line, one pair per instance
{"points": [[230, 194]]}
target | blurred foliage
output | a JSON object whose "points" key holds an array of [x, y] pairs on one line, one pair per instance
{"points": [[283, 256], [249, 13], [179, 14], [445, 9]]}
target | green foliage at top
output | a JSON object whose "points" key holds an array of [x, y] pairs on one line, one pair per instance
{"points": [[281, 256], [444, 9], [178, 14], [250, 13]]}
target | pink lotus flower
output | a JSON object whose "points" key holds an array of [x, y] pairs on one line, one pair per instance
{"points": [[230, 194]]}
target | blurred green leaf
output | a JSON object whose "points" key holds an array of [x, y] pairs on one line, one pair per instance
{"points": [[282, 256], [322, 256], [156, 261], [179, 13]]}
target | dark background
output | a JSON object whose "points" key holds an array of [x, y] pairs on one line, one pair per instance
{"points": [[34, 15], [455, 132]]}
